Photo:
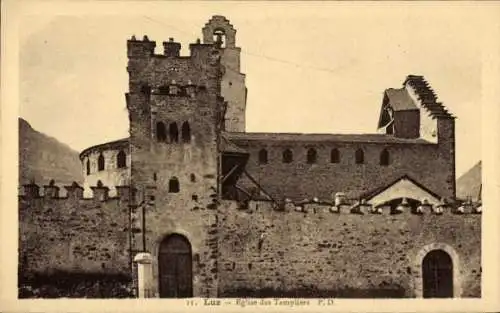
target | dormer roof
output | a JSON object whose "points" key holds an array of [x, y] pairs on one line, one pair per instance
{"points": [[400, 100]]}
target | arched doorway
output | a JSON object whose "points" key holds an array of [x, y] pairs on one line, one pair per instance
{"points": [[175, 267], [437, 275]]}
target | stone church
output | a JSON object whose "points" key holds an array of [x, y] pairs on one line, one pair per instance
{"points": [[221, 212]]}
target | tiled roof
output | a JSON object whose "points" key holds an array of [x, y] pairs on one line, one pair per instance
{"points": [[427, 96], [400, 100], [332, 138]]}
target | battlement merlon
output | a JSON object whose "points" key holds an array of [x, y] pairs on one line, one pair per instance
{"points": [[148, 70], [145, 49], [328, 208], [75, 192]]}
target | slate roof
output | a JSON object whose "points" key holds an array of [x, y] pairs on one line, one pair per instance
{"points": [[327, 138], [400, 99]]}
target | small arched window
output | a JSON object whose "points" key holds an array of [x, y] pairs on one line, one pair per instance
{"points": [[88, 167], [220, 37], [186, 132], [100, 163], [287, 156], [161, 132], [335, 156], [312, 156], [174, 132], [360, 156], [263, 156], [173, 185], [384, 157], [121, 159]]}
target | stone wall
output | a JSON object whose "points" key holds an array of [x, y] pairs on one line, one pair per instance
{"points": [[429, 164], [264, 252], [73, 234]]}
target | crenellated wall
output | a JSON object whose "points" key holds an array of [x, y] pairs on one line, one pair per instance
{"points": [[73, 233], [260, 248], [312, 251]]}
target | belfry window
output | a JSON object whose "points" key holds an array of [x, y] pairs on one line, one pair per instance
{"points": [[287, 156], [173, 185], [100, 163], [121, 159], [186, 132], [360, 156], [174, 132], [312, 156], [88, 167], [220, 38], [161, 132], [335, 156], [263, 156], [384, 157]]}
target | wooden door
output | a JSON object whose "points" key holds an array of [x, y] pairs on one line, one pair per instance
{"points": [[175, 268], [437, 274]]}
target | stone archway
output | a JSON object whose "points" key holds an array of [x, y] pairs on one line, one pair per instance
{"points": [[437, 268], [175, 267]]}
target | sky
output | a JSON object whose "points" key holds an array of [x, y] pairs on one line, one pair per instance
{"points": [[311, 68]]}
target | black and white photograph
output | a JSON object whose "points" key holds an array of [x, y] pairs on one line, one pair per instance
{"points": [[252, 153]]}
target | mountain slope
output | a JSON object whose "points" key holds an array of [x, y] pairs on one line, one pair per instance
{"points": [[469, 184], [42, 158]]}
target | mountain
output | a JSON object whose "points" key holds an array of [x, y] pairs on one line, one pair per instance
{"points": [[469, 184], [42, 158]]}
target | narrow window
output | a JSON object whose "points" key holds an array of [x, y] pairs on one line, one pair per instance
{"points": [[174, 132], [121, 159], [193, 178], [161, 132], [335, 156], [186, 132], [263, 156], [312, 155], [173, 185], [88, 167], [287, 156], [146, 89], [360, 156], [100, 163], [384, 157]]}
